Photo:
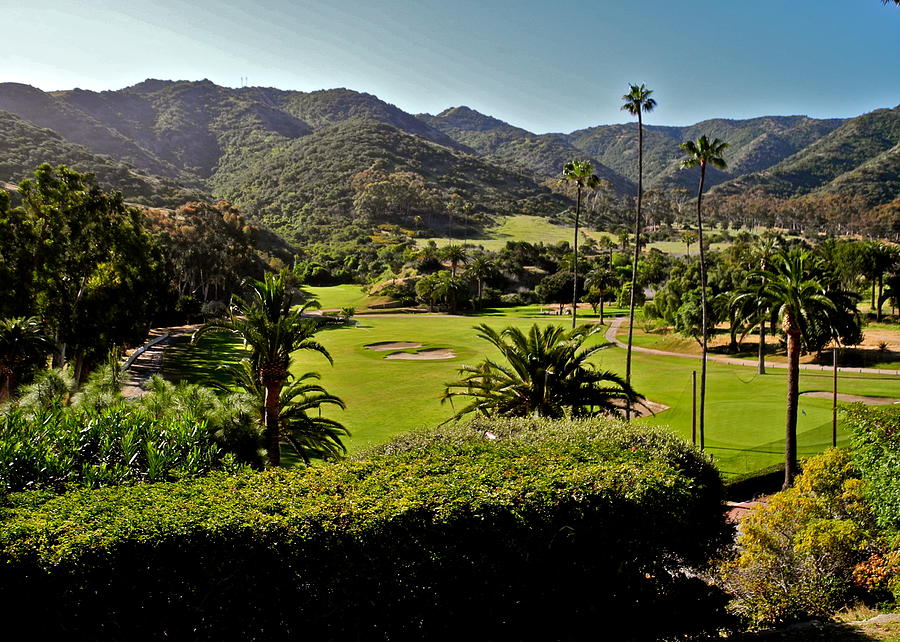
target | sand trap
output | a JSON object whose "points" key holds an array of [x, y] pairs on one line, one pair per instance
{"points": [[871, 401], [392, 345], [643, 409], [423, 355]]}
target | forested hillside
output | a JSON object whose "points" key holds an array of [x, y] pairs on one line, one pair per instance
{"points": [[325, 164]]}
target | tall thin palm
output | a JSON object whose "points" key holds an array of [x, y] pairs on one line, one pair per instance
{"points": [[637, 102], [701, 153], [763, 250], [581, 173], [603, 279], [796, 288], [272, 331], [545, 373]]}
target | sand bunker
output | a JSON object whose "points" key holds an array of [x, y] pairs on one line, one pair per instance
{"points": [[393, 345], [423, 355], [871, 401]]}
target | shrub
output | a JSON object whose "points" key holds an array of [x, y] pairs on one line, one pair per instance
{"points": [[497, 529], [796, 553], [875, 439]]}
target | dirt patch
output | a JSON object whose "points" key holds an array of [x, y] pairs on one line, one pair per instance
{"points": [[384, 346], [424, 355], [644, 409], [871, 401]]}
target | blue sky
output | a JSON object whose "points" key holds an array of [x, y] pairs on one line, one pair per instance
{"points": [[535, 64]]}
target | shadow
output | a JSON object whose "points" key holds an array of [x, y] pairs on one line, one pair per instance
{"points": [[808, 631]]}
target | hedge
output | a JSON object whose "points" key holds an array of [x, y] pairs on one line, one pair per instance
{"points": [[518, 530], [875, 439]]}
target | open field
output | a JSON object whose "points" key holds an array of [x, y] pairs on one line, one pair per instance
{"points": [[534, 229], [745, 411]]}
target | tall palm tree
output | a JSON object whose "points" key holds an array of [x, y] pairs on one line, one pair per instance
{"points": [[795, 284], [546, 373], [481, 268], [603, 279], [763, 250], [457, 256], [272, 331], [581, 173], [637, 102], [701, 153], [23, 344]]}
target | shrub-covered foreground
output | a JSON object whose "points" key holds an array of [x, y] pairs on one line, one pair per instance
{"points": [[503, 530]]}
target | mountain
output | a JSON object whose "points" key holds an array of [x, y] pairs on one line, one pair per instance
{"points": [[24, 146], [544, 155], [288, 157], [858, 157]]}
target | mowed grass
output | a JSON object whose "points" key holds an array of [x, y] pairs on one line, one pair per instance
{"points": [[745, 411], [342, 296], [533, 229]]}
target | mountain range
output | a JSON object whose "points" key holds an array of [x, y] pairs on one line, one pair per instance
{"points": [[287, 157]]}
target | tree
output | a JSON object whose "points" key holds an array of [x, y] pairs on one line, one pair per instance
{"points": [[701, 153], [546, 373], [602, 279], [272, 331], [581, 174], [481, 268], [795, 286], [23, 346], [688, 237], [457, 256], [96, 276], [637, 102]]}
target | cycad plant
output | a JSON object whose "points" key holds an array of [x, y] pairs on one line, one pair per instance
{"points": [[544, 372], [272, 331]]}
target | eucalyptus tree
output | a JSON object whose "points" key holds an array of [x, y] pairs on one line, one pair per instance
{"points": [[701, 153], [273, 331], [545, 372], [581, 174], [637, 102]]}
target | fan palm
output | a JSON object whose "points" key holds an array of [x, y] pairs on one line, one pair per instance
{"points": [[581, 173], [701, 153], [272, 331], [546, 373], [637, 102], [795, 286]]}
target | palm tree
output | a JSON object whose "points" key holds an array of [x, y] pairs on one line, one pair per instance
{"points": [[700, 154], [457, 255], [23, 345], [795, 286], [603, 279], [581, 173], [481, 269], [637, 102], [272, 331], [546, 373]]}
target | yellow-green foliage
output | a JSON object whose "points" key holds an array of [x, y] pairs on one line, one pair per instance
{"points": [[796, 552]]}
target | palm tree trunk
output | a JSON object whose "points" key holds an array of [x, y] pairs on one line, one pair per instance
{"points": [[575, 260], [793, 387], [762, 341], [601, 309], [878, 302], [834, 393], [271, 433], [703, 332], [637, 250]]}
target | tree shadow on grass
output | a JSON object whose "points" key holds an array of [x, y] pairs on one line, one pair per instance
{"points": [[201, 363], [807, 632]]}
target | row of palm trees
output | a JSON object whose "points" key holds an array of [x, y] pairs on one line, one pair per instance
{"points": [[791, 283]]}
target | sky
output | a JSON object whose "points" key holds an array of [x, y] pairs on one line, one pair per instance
{"points": [[543, 66]]}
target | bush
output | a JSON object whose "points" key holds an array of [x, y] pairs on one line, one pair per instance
{"points": [[498, 529], [796, 553], [875, 438]]}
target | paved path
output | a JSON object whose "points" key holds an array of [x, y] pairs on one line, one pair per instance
{"points": [[150, 361], [616, 324]]}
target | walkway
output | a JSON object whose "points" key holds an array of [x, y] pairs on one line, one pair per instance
{"points": [[732, 361], [150, 360]]}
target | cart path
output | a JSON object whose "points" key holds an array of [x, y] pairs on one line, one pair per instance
{"points": [[150, 361], [617, 323]]}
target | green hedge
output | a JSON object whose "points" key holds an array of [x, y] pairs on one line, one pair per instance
{"points": [[538, 530], [875, 438]]}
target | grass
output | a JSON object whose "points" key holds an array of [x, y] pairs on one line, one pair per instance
{"points": [[343, 296], [521, 227], [745, 411]]}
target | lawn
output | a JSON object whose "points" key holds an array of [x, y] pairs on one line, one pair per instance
{"points": [[533, 229], [745, 411], [343, 296]]}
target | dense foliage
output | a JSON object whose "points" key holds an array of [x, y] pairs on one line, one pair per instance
{"points": [[876, 453], [431, 536]]}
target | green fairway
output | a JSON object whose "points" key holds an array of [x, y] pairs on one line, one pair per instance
{"points": [[745, 411], [342, 296], [533, 229]]}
